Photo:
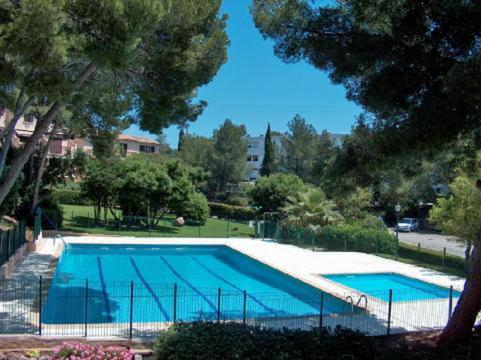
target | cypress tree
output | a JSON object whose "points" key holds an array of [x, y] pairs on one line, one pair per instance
{"points": [[268, 163], [180, 144]]}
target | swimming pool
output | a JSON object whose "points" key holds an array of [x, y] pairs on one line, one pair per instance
{"points": [[105, 284], [404, 288]]}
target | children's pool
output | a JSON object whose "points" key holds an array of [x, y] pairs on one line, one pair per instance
{"points": [[145, 283], [404, 288]]}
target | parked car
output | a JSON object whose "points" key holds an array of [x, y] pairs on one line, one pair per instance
{"points": [[408, 224]]}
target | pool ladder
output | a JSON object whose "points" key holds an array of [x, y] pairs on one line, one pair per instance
{"points": [[350, 300]]}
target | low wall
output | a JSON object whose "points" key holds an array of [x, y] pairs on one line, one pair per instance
{"points": [[19, 255]]}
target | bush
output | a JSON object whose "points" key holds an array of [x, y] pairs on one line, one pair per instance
{"points": [[272, 192], [353, 237], [237, 201], [195, 209], [53, 212], [238, 213], [237, 341], [70, 197]]}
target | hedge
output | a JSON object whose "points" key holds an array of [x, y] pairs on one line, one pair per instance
{"points": [[231, 212], [236, 341], [349, 237], [70, 197]]}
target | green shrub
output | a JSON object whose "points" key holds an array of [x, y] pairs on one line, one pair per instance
{"points": [[70, 197], [237, 201], [52, 213], [195, 210], [238, 213], [236, 341], [350, 237]]}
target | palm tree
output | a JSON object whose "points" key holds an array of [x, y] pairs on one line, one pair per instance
{"points": [[311, 210]]}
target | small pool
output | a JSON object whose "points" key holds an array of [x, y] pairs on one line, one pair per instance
{"points": [[404, 288], [162, 283]]}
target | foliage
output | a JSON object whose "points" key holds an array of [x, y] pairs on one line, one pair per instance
{"points": [[232, 212], [195, 209], [70, 197], [420, 76], [196, 151], [460, 213], [271, 193], [355, 204], [227, 162], [268, 162], [237, 341], [145, 186], [80, 350], [353, 236], [311, 209], [299, 148], [52, 212]]}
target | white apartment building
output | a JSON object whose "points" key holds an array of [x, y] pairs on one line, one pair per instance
{"points": [[256, 151], [255, 154]]}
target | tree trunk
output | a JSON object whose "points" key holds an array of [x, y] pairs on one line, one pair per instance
{"points": [[460, 326], [41, 169], [42, 127], [10, 131]]}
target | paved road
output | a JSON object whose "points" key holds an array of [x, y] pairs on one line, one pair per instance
{"points": [[432, 241]]}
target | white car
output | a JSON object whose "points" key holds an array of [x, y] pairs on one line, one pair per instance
{"points": [[408, 224]]}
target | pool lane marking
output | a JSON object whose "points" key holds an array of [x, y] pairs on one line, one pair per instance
{"points": [[147, 286], [272, 311], [104, 290], [180, 277]]}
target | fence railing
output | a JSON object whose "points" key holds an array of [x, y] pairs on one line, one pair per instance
{"points": [[139, 310], [11, 240]]}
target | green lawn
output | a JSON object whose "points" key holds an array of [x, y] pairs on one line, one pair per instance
{"points": [[80, 219]]}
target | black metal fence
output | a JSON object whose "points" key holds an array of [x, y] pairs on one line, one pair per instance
{"points": [[139, 310], [11, 240]]}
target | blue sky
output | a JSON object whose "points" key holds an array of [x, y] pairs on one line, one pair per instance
{"points": [[255, 87]]}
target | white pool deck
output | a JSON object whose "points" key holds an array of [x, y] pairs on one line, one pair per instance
{"points": [[301, 264]]}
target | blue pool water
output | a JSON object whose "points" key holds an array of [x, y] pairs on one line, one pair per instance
{"points": [[116, 272], [404, 288]]}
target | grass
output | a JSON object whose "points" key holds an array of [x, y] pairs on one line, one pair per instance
{"points": [[77, 218]]}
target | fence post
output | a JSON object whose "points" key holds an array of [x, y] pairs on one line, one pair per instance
{"points": [[199, 230], [419, 253], [175, 302], [88, 219], [218, 305], [345, 243], [321, 310], [40, 305], [244, 308], [389, 313], [450, 302], [313, 237], [228, 224], [131, 309], [86, 320], [444, 257]]}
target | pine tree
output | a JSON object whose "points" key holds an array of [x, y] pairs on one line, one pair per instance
{"points": [[268, 163]]}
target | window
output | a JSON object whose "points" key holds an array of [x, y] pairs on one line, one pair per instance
{"points": [[147, 149], [28, 118], [249, 157], [255, 157], [56, 147]]}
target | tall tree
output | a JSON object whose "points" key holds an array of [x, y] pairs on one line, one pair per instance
{"points": [[228, 161], [180, 144], [147, 45], [197, 151], [299, 148], [415, 66], [269, 162]]}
